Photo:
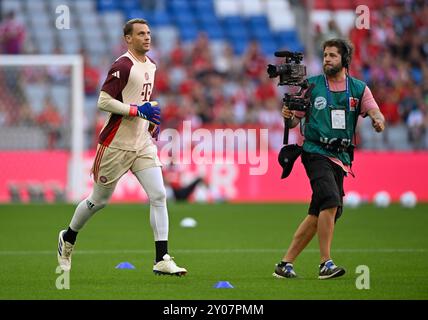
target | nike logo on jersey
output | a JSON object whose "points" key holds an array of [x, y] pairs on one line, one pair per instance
{"points": [[116, 74]]}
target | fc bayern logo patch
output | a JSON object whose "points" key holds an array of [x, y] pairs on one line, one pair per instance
{"points": [[146, 76], [103, 179], [320, 103]]}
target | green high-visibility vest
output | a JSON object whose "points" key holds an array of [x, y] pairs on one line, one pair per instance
{"points": [[320, 128]]}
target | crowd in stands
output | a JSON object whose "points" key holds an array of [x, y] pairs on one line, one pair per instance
{"points": [[218, 88], [392, 58]]}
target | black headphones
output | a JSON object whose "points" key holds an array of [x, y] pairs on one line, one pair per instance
{"points": [[346, 53]]}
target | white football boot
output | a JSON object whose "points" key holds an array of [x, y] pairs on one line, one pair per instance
{"points": [[168, 266], [65, 249]]}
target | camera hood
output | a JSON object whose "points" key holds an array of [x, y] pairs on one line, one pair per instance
{"points": [[286, 158]]}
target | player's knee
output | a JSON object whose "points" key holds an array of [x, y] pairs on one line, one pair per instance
{"points": [[158, 198], [99, 197]]}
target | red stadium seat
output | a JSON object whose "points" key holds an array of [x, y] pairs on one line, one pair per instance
{"points": [[345, 4], [342, 5], [375, 4], [321, 5]]}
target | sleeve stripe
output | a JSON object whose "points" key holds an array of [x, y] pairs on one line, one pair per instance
{"points": [[108, 133], [97, 161]]}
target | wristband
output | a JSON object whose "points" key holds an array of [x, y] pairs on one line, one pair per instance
{"points": [[133, 110]]}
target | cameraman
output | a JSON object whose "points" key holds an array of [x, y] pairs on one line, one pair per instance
{"points": [[329, 128]]}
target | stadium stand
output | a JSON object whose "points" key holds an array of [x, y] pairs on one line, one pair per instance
{"points": [[391, 57]]}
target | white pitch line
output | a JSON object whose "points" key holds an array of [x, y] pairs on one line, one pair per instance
{"points": [[211, 251]]}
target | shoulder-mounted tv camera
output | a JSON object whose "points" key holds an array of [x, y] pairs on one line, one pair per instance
{"points": [[292, 73]]}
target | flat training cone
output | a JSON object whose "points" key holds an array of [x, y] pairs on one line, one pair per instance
{"points": [[223, 285], [188, 223], [125, 265]]}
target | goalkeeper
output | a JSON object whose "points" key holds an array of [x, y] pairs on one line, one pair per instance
{"points": [[125, 144]]}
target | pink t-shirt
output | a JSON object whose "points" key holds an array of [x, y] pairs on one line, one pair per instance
{"points": [[368, 102]]}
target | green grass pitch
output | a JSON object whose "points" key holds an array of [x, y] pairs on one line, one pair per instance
{"points": [[239, 243]]}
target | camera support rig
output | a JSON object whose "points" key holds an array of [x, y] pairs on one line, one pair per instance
{"points": [[298, 103], [292, 73]]}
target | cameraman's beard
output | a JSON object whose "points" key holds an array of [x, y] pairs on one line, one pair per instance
{"points": [[333, 70]]}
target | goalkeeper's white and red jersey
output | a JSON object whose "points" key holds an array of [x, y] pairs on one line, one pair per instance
{"points": [[129, 81]]}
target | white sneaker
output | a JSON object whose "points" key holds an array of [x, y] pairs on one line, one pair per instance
{"points": [[168, 266], [65, 249]]}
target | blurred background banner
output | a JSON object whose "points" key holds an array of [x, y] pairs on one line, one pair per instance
{"points": [[394, 172], [211, 57]]}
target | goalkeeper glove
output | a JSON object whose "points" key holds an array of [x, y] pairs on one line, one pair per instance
{"points": [[148, 111]]}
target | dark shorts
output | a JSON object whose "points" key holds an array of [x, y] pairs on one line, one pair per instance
{"points": [[326, 179]]}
